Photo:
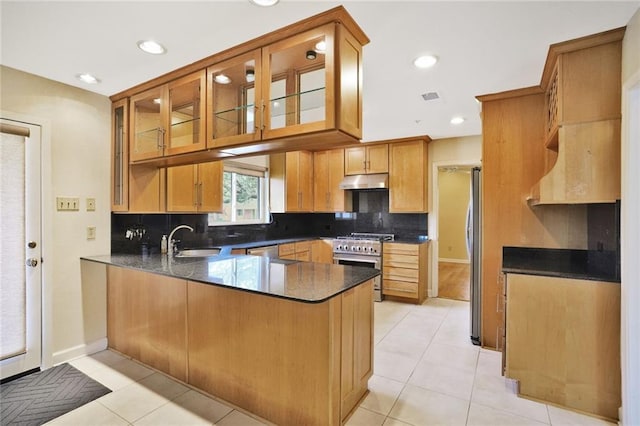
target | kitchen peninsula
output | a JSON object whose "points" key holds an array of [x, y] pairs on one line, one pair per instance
{"points": [[289, 341]]}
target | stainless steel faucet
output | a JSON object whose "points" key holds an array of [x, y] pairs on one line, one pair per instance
{"points": [[172, 242]]}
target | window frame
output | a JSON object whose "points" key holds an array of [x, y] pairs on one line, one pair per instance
{"points": [[260, 172]]}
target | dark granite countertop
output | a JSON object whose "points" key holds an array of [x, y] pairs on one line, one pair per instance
{"points": [[420, 239], [563, 263], [289, 279]]}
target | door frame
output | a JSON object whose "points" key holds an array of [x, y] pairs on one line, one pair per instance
{"points": [[432, 289], [46, 220], [629, 246]]}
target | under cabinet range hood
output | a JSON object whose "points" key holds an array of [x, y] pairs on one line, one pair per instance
{"points": [[373, 181]]}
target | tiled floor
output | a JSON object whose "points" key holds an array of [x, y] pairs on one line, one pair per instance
{"points": [[426, 372]]}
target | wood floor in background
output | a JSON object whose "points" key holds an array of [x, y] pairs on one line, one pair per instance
{"points": [[453, 280]]}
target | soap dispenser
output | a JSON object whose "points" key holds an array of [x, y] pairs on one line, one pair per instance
{"points": [[163, 245]]}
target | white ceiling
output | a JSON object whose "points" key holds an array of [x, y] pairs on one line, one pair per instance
{"points": [[484, 47]]}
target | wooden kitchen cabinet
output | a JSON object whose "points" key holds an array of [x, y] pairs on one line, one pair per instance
{"points": [[357, 341], [299, 250], [322, 251], [404, 271], [195, 188], [408, 176], [307, 82], [563, 341], [328, 172], [168, 119], [147, 319], [366, 159], [147, 189], [291, 182], [582, 121], [120, 156]]}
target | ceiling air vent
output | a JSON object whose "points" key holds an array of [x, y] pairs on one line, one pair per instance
{"points": [[430, 96]]}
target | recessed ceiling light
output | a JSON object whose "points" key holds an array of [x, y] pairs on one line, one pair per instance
{"points": [[457, 120], [321, 46], [222, 79], [152, 47], [157, 101], [87, 78], [264, 2], [426, 61], [250, 75]]}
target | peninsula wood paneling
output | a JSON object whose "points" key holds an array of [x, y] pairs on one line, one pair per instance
{"points": [[147, 319]]}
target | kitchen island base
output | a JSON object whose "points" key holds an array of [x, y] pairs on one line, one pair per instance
{"points": [[289, 362]]}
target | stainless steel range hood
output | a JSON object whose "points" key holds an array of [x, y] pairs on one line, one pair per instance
{"points": [[375, 181]]}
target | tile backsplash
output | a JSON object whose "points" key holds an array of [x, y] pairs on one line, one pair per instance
{"points": [[146, 230]]}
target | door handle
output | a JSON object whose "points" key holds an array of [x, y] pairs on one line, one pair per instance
{"points": [[32, 262]]}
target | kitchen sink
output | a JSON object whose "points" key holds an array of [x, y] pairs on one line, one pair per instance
{"points": [[205, 252]]}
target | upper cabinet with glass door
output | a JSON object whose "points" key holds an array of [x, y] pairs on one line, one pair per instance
{"points": [[310, 82], [169, 119]]}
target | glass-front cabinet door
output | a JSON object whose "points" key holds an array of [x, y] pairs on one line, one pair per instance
{"points": [[167, 119], [298, 83], [234, 99], [119, 157], [186, 127], [147, 124]]}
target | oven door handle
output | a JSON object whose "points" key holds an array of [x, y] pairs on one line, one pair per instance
{"points": [[357, 259]]}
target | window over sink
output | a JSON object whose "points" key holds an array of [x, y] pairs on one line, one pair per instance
{"points": [[244, 193]]}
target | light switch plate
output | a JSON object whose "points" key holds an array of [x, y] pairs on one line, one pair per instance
{"points": [[91, 232], [91, 204], [67, 203]]}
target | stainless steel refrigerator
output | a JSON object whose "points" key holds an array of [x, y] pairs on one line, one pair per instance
{"points": [[473, 249]]}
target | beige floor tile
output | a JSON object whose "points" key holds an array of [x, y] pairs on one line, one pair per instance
{"points": [[133, 402], [418, 406], [562, 417], [92, 413], [120, 374], [393, 365], [164, 386], [463, 358], [490, 362], [479, 415], [190, 408], [236, 418], [498, 392], [445, 379], [403, 344], [363, 417], [383, 393], [393, 422], [90, 363]]}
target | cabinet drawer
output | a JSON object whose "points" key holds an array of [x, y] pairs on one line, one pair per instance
{"points": [[400, 261], [400, 274], [286, 249], [407, 249], [399, 288], [302, 246]]}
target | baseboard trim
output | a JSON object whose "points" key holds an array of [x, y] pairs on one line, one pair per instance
{"points": [[443, 259], [80, 350]]}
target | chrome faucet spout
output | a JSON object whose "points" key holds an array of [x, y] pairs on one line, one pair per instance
{"points": [[172, 242]]}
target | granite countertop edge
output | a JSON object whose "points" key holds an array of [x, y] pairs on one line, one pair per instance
{"points": [[136, 262]]}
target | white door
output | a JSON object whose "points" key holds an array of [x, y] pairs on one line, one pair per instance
{"points": [[20, 248]]}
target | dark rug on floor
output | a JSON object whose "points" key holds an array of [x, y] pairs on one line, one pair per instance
{"points": [[37, 398]]}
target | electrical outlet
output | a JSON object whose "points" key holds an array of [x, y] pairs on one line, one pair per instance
{"points": [[91, 204], [67, 203], [91, 232]]}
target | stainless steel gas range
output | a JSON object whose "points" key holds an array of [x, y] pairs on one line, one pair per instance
{"points": [[362, 249]]}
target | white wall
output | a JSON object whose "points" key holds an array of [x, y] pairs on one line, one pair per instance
{"points": [[630, 232], [463, 151], [79, 128]]}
